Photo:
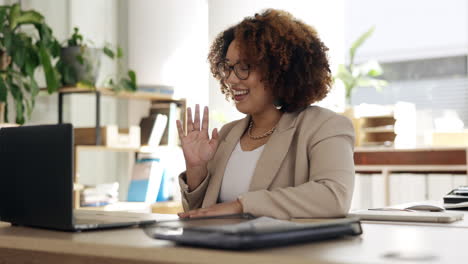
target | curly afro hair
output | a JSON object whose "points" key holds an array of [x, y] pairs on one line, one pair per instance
{"points": [[291, 59]]}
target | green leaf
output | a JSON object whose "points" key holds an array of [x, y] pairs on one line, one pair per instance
{"points": [[3, 13], [5, 112], [371, 68], [55, 48], [80, 59], [19, 52], [29, 17], [19, 112], [85, 84], [108, 52], [8, 41], [3, 90], [371, 82], [119, 53], [15, 90], [15, 11], [126, 85], [49, 71], [357, 43], [34, 88], [132, 76], [30, 67], [345, 76], [27, 87], [29, 108], [18, 98]]}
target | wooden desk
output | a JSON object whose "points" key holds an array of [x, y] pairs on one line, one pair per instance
{"points": [[417, 160], [444, 244]]}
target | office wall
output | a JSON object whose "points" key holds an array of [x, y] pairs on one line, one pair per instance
{"points": [[168, 45], [408, 29], [326, 16]]}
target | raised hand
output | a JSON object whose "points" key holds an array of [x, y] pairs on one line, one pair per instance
{"points": [[197, 146]]}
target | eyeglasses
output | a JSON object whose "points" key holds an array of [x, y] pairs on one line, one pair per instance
{"points": [[241, 70]]}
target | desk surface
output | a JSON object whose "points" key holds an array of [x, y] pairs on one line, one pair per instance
{"points": [[445, 244]]}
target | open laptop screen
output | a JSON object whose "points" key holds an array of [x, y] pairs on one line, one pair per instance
{"points": [[36, 175]]}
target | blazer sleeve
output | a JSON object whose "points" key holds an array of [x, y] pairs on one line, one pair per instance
{"points": [[329, 190], [194, 199]]}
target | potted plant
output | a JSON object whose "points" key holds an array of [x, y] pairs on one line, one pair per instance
{"points": [[359, 75], [79, 65], [21, 53]]}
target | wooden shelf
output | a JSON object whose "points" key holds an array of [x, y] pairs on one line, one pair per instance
{"points": [[123, 94], [381, 129], [142, 149], [105, 148], [376, 130]]}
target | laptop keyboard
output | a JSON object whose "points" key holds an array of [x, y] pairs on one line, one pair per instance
{"points": [[84, 221]]}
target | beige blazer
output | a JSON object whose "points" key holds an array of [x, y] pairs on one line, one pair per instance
{"points": [[305, 170]]}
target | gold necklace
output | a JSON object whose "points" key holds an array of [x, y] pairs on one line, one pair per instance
{"points": [[269, 132]]}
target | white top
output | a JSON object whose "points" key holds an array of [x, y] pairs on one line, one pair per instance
{"points": [[239, 171]]}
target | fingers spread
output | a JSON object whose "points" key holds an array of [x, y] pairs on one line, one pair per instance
{"points": [[189, 120], [214, 138], [205, 119], [180, 129], [196, 123]]}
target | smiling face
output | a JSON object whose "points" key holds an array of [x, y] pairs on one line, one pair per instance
{"points": [[249, 95]]}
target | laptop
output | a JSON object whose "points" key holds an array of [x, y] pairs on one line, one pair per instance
{"points": [[36, 182]]}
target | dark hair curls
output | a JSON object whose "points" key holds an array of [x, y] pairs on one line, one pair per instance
{"points": [[293, 60]]}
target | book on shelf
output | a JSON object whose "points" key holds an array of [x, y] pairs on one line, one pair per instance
{"points": [[157, 130], [99, 195], [161, 89], [146, 180]]}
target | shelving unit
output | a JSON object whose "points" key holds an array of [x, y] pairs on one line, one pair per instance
{"points": [[107, 92], [153, 97], [377, 130]]}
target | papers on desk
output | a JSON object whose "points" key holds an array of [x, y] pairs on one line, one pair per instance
{"points": [[394, 214], [462, 205]]}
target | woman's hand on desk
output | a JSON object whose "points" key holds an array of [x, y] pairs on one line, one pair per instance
{"points": [[197, 146], [234, 207]]}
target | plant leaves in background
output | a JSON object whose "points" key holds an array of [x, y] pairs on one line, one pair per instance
{"points": [[50, 74], [15, 11], [34, 89], [18, 98], [356, 44], [28, 17], [3, 13], [119, 53], [108, 52], [359, 75], [133, 80], [3, 90], [5, 112]]}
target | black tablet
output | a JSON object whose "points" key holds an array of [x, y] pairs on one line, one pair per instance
{"points": [[243, 231]]}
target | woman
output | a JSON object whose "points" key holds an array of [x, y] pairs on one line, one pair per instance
{"points": [[286, 158]]}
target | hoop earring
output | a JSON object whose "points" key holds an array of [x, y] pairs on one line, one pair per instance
{"points": [[278, 104]]}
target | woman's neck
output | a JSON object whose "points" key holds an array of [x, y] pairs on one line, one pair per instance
{"points": [[266, 120]]}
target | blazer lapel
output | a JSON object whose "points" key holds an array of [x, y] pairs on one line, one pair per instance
{"points": [[219, 163], [274, 152]]}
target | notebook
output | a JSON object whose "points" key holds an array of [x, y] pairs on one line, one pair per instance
{"points": [[36, 181], [241, 232]]}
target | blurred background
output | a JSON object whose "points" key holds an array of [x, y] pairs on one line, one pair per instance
{"points": [[401, 74]]}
